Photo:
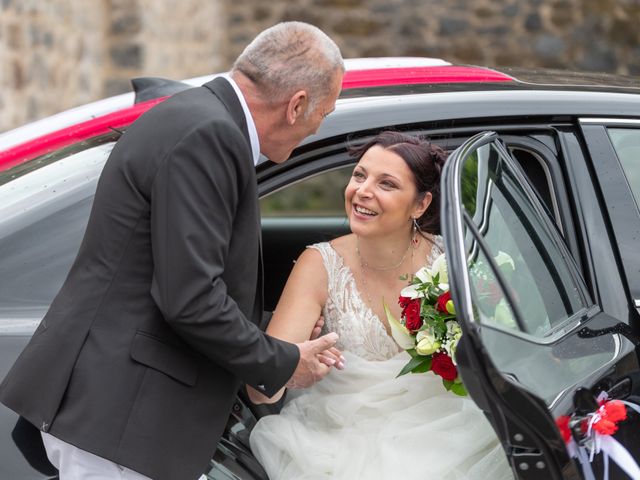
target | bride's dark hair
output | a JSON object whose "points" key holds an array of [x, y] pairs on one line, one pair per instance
{"points": [[424, 159]]}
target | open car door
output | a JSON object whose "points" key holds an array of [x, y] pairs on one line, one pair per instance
{"points": [[535, 345]]}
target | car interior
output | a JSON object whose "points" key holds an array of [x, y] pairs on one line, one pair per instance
{"points": [[312, 210]]}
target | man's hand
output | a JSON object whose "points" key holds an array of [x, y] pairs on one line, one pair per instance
{"points": [[332, 357], [311, 367]]}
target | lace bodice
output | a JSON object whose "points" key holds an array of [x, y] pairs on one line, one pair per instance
{"points": [[361, 331]]}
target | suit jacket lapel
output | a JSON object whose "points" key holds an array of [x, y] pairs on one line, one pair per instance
{"points": [[222, 89]]}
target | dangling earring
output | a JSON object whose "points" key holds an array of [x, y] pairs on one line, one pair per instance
{"points": [[414, 236]]}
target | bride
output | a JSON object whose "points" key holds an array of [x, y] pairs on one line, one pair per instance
{"points": [[361, 421]]}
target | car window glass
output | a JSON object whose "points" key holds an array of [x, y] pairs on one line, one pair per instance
{"points": [[320, 196], [626, 142], [517, 270], [44, 208], [518, 243]]}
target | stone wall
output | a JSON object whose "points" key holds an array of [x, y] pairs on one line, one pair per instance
{"points": [[594, 35], [169, 38], [55, 54], [51, 57]]}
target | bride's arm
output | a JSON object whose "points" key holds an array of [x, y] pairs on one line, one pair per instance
{"points": [[298, 309]]}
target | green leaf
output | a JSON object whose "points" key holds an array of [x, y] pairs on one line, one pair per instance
{"points": [[458, 389], [412, 352], [425, 366], [413, 363], [447, 384]]}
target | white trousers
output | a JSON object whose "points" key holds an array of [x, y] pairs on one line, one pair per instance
{"points": [[76, 464]]}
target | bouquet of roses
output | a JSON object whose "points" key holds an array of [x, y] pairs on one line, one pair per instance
{"points": [[428, 329]]}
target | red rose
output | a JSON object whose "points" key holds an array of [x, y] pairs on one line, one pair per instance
{"points": [[442, 365], [411, 314], [403, 302], [442, 302]]}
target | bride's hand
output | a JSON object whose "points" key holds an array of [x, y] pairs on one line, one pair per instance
{"points": [[332, 358], [317, 329]]}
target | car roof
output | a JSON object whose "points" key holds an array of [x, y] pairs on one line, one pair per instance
{"points": [[368, 77]]}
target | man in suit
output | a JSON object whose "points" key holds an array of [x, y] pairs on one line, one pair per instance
{"points": [[133, 371]]}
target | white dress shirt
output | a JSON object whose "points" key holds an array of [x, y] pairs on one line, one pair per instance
{"points": [[251, 126]]}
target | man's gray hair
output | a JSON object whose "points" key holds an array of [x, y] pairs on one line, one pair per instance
{"points": [[288, 57]]}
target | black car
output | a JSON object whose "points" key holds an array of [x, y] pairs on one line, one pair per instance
{"points": [[545, 167]]}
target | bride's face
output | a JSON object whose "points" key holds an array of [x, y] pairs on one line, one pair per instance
{"points": [[381, 196]]}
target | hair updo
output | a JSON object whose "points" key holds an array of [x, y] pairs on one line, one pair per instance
{"points": [[425, 160]]}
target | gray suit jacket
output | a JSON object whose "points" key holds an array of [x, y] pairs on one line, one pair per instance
{"points": [[141, 353]]}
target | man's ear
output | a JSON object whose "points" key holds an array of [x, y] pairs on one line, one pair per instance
{"points": [[297, 106], [422, 205]]}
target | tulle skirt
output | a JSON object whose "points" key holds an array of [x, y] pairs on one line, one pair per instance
{"points": [[363, 423]]}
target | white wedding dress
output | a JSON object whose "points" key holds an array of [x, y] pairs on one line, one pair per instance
{"points": [[363, 422]]}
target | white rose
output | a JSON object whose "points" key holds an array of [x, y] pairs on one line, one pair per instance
{"points": [[411, 292], [427, 342], [439, 266], [424, 275], [450, 347], [454, 332]]}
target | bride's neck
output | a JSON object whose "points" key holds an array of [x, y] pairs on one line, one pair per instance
{"points": [[383, 252]]}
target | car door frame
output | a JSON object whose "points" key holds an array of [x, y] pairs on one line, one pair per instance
{"points": [[531, 439]]}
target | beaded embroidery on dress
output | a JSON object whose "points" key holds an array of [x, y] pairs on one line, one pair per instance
{"points": [[346, 313]]}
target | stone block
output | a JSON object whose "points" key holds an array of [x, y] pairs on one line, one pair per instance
{"points": [[359, 27], [126, 56], [549, 46], [599, 59], [453, 26], [126, 24], [533, 22], [340, 3], [15, 36], [511, 10]]}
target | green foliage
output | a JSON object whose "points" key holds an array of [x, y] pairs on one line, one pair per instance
{"points": [[455, 387], [413, 363]]}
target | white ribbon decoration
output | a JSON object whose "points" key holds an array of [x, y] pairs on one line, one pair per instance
{"points": [[606, 444], [583, 459], [612, 448]]}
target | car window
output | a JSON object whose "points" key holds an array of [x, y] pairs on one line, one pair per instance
{"points": [[516, 239], [524, 288], [626, 142], [319, 196], [44, 208]]}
